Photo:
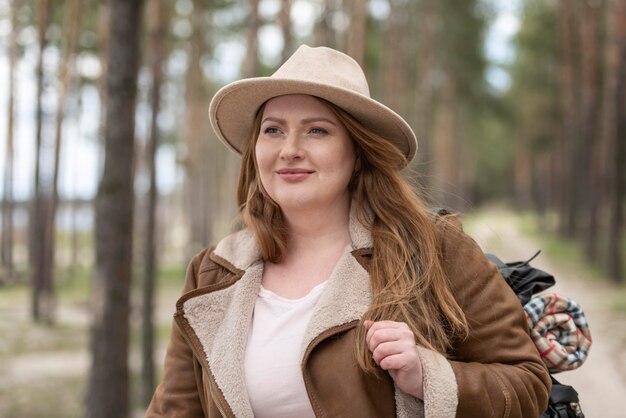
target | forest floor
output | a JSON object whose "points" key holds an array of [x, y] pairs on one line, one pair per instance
{"points": [[601, 380], [43, 369]]}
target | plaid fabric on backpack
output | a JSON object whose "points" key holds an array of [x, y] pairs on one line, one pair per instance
{"points": [[560, 331]]}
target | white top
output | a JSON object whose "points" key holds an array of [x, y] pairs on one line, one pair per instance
{"points": [[272, 362]]}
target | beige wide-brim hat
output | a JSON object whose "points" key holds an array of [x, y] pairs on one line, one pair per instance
{"points": [[321, 72]]}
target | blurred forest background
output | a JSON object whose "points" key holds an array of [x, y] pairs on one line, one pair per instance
{"points": [[111, 177]]}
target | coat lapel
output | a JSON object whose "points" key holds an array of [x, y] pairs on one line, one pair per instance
{"points": [[345, 298], [347, 294], [220, 320]]}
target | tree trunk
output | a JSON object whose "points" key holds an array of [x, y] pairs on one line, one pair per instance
{"points": [[569, 117], [157, 28], [75, 203], [65, 77], [195, 134], [425, 89], [592, 136], [285, 25], [6, 256], [590, 139], [617, 161], [609, 118], [251, 63], [356, 35], [324, 33], [104, 12], [447, 161], [393, 69], [109, 380], [38, 208]]}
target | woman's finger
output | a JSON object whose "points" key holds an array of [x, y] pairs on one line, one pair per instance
{"points": [[378, 334]]}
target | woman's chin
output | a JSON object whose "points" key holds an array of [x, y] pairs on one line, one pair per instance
{"points": [[297, 203]]}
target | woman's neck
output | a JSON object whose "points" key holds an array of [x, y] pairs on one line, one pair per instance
{"points": [[312, 231], [315, 243]]}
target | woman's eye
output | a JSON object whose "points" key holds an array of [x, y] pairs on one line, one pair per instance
{"points": [[271, 130], [317, 131]]}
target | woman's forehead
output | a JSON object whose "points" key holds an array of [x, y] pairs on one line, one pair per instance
{"points": [[293, 104]]}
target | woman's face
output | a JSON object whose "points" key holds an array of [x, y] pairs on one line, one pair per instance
{"points": [[305, 156]]}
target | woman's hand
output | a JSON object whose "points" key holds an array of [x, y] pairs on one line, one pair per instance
{"points": [[393, 347]]}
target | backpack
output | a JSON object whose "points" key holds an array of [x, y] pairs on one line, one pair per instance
{"points": [[526, 281]]}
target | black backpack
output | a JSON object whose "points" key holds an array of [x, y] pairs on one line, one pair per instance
{"points": [[525, 281]]}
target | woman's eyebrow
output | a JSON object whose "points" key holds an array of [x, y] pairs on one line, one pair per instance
{"points": [[273, 119], [302, 121], [317, 119]]}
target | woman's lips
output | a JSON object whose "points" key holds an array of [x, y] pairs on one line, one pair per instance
{"points": [[294, 174]]}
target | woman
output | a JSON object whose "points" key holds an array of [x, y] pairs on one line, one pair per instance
{"points": [[343, 296]]}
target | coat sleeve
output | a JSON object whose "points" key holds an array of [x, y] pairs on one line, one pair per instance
{"points": [[497, 367], [178, 396]]}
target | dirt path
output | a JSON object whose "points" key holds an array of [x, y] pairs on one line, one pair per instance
{"points": [[601, 381], [39, 365]]}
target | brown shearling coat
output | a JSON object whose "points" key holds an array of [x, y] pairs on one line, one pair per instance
{"points": [[494, 372]]}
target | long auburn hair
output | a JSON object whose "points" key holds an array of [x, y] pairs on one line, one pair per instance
{"points": [[407, 278]]}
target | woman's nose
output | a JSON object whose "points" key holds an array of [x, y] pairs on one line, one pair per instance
{"points": [[291, 148]]}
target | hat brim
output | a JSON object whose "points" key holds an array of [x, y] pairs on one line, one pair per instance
{"points": [[233, 109]]}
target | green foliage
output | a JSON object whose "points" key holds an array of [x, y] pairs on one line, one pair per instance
{"points": [[570, 253], [460, 36], [73, 284], [373, 56], [171, 277], [534, 90], [565, 251], [493, 151]]}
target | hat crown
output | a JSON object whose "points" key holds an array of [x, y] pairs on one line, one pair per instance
{"points": [[324, 66]]}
